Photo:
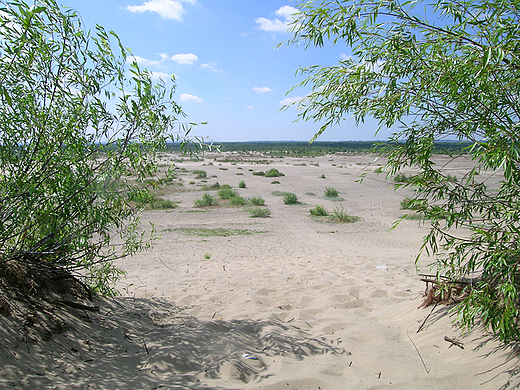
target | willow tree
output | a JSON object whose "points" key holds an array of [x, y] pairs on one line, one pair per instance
{"points": [[436, 70], [76, 120]]}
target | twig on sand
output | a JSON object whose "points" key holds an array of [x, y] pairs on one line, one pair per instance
{"points": [[454, 341], [145, 347], [428, 316], [163, 263], [418, 353]]}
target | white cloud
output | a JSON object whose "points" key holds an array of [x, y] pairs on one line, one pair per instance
{"points": [[291, 101], [276, 25], [211, 66], [146, 62], [262, 89], [345, 57], [161, 75], [190, 98], [185, 58], [250, 107], [167, 9]]}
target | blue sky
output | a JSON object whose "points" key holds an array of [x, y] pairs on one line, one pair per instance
{"points": [[223, 54]]}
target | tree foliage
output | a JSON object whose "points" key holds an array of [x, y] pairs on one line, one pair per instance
{"points": [[76, 119], [444, 69]]}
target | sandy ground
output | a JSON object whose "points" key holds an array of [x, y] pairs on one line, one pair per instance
{"points": [[284, 302]]}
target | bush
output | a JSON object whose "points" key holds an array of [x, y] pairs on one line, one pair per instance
{"points": [[340, 214], [275, 182], [227, 193], [260, 212], [319, 211], [290, 198], [237, 201], [206, 201], [258, 201], [260, 173], [63, 90], [331, 193], [401, 178], [439, 74], [199, 174], [273, 172], [241, 184]]}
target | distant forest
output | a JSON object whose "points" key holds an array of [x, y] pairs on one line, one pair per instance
{"points": [[317, 148]]}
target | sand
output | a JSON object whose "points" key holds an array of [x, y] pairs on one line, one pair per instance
{"points": [[284, 302]]}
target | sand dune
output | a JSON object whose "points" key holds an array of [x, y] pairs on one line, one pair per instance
{"points": [[284, 302]]}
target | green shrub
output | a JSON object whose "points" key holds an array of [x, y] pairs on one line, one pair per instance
{"points": [[339, 214], [260, 212], [161, 204], [319, 211], [206, 201], [227, 193], [241, 184], [275, 182], [273, 172], [401, 178], [290, 198], [258, 201], [215, 186], [199, 174], [331, 192], [237, 201], [260, 173], [322, 176]]}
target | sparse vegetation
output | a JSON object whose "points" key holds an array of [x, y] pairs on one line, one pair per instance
{"points": [[200, 174], [257, 201], [340, 214], [259, 212], [290, 199], [227, 192], [319, 211], [206, 201], [218, 232], [331, 192], [273, 172], [237, 201], [241, 184]]}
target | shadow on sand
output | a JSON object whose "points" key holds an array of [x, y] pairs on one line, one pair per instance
{"points": [[150, 343]]}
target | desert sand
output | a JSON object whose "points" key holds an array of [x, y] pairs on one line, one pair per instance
{"points": [[285, 302]]}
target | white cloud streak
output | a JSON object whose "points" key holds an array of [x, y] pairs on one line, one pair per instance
{"points": [[167, 9], [291, 101], [161, 75], [262, 89], [190, 98], [188, 59], [276, 25], [146, 62]]}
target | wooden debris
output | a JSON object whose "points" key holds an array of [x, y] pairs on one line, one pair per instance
{"points": [[454, 341]]}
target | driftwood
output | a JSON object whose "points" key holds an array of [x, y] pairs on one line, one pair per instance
{"points": [[454, 341], [444, 290]]}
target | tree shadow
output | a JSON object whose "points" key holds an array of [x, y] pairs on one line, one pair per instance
{"points": [[150, 343], [479, 336]]}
